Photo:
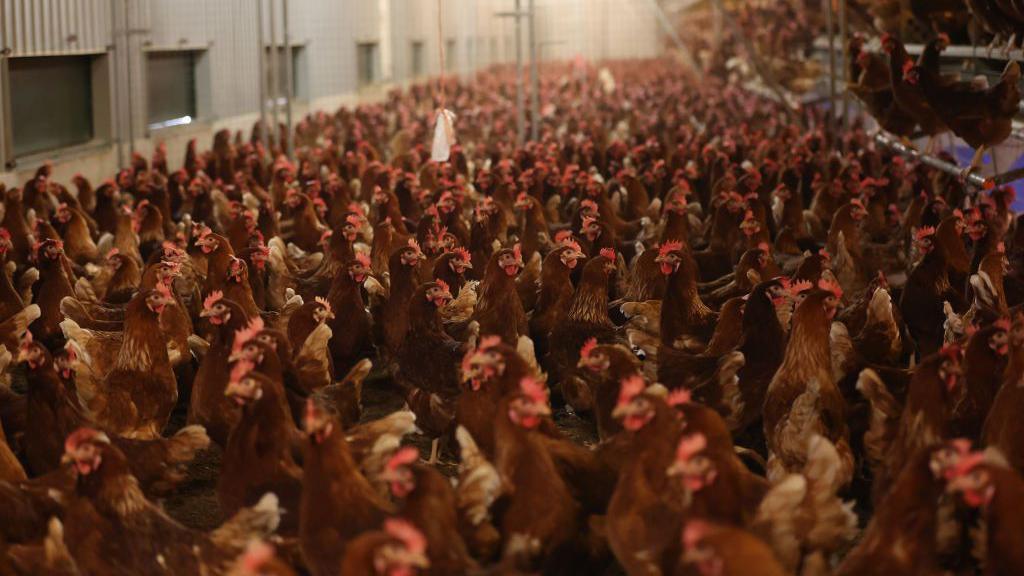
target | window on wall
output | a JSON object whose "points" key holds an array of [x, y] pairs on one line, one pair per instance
{"points": [[171, 86], [51, 103], [299, 79], [416, 65], [367, 62], [449, 54]]}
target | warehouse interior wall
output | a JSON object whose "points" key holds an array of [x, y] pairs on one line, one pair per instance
{"points": [[343, 52]]}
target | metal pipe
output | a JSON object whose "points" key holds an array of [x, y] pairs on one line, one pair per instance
{"points": [[275, 87], [264, 129], [115, 81], [947, 167], [829, 17], [128, 76], [844, 36], [534, 77], [6, 131], [288, 79], [520, 102]]}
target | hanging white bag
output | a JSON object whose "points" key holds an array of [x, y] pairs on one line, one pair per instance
{"points": [[444, 135]]}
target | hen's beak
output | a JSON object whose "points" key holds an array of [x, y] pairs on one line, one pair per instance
{"points": [[543, 410]]}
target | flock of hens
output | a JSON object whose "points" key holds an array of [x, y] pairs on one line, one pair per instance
{"points": [[783, 351]]}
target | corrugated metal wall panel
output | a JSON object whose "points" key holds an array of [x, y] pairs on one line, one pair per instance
{"points": [[56, 27]]}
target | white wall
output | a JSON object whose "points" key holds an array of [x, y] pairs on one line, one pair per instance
{"points": [[328, 30]]}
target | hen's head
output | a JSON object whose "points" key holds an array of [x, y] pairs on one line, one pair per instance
{"points": [[670, 256], [84, 450], [950, 358], [590, 228], [249, 341], [351, 227], [634, 408], [63, 214], [215, 308], [510, 260], [317, 422], [32, 352], [208, 242], [411, 254], [888, 43], [523, 201], [238, 271], [697, 552], [405, 553], [974, 479], [484, 363], [322, 311], [592, 357], [245, 386], [999, 339], [158, 298], [692, 465], [359, 268], [398, 471], [460, 261], [48, 250], [570, 254], [944, 459], [437, 292], [530, 405]]}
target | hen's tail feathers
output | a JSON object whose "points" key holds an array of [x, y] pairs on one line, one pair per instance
{"points": [[479, 483], [728, 382], [24, 287], [257, 521], [358, 373], [776, 519], [885, 413], [182, 447], [18, 323], [525, 348]]}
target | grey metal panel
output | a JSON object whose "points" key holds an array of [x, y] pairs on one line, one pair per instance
{"points": [[56, 27]]}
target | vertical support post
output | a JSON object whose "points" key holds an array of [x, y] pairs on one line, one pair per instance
{"points": [[829, 20], [115, 91], [844, 37], [6, 130], [520, 97], [275, 85], [289, 78], [130, 86], [534, 76], [262, 63]]}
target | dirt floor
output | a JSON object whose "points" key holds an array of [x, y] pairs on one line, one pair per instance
{"points": [[194, 502]]}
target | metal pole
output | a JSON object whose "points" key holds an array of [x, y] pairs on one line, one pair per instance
{"points": [[844, 35], [829, 17], [6, 131], [520, 101], [288, 78], [128, 75], [115, 96], [262, 76], [947, 167], [275, 86], [534, 77]]}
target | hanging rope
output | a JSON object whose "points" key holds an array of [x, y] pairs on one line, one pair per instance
{"points": [[444, 133], [440, 55]]}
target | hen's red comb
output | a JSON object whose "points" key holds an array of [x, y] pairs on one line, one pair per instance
{"points": [[630, 387], [690, 446], [212, 299], [588, 347], [407, 534], [671, 246], [533, 390], [679, 397], [403, 457], [608, 253], [924, 232]]}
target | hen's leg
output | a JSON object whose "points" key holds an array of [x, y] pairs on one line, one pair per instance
{"points": [[434, 445], [975, 162]]}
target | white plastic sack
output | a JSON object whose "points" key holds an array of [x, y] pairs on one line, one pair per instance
{"points": [[444, 136]]}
